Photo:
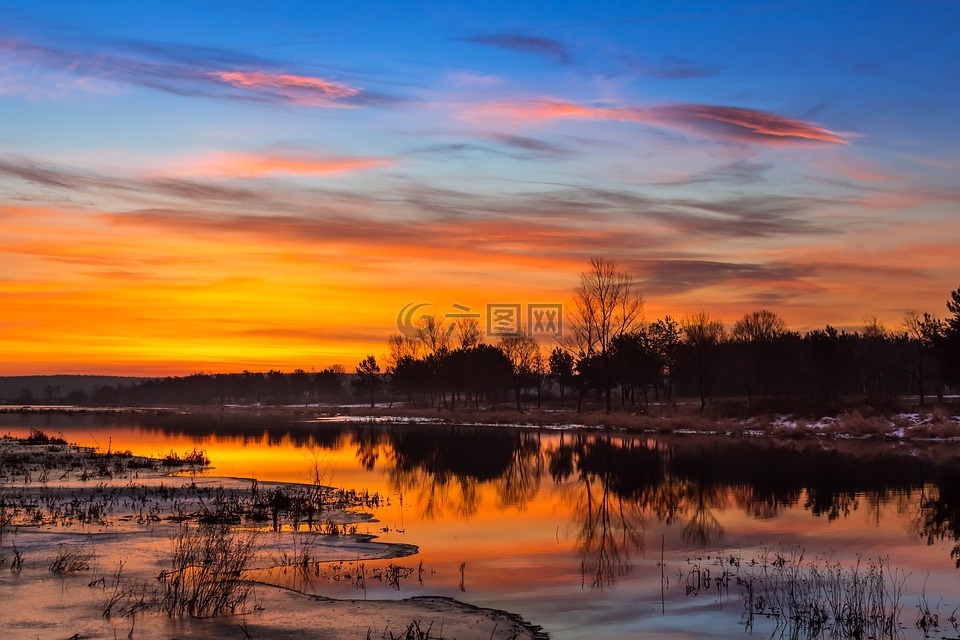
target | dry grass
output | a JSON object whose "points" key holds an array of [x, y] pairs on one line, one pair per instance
{"points": [[822, 598], [205, 580], [854, 423], [727, 419], [71, 559], [207, 575]]}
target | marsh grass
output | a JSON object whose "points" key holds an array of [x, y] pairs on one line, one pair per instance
{"points": [[415, 632], [855, 423], [71, 559], [820, 597], [39, 437], [206, 578], [195, 458]]}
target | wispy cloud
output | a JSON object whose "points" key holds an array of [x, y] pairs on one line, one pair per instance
{"points": [[532, 147], [511, 146], [670, 68], [306, 90], [220, 182], [731, 123], [185, 71], [672, 276], [276, 162], [553, 49]]}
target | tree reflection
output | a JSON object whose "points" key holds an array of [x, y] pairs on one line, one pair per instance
{"points": [[610, 531], [607, 502], [445, 468], [521, 479], [615, 485], [704, 528], [938, 516]]}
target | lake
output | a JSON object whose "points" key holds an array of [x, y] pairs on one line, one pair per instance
{"points": [[568, 528]]}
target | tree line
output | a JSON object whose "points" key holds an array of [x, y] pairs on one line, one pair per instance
{"points": [[609, 357], [273, 388], [612, 357]]}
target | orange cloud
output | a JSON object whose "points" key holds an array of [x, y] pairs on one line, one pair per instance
{"points": [[306, 90], [745, 125], [272, 163]]}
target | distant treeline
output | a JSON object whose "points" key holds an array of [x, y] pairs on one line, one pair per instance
{"points": [[272, 387], [824, 370], [609, 356]]}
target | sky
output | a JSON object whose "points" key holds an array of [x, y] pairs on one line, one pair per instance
{"points": [[212, 186]]}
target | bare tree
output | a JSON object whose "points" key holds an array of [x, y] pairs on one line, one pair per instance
{"points": [[468, 332], [702, 332], [433, 333], [912, 325], [607, 304], [401, 347], [759, 326], [759, 330], [873, 328]]}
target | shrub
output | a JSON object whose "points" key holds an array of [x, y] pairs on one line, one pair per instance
{"points": [[196, 458], [39, 437]]}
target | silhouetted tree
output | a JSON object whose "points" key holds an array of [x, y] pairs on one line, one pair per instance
{"points": [[758, 331], [703, 333], [913, 325], [490, 372], [468, 333], [872, 363], [607, 304], [368, 378], [433, 333], [946, 341], [635, 363], [300, 386], [330, 382], [523, 353], [401, 346], [829, 354], [411, 377], [666, 338], [561, 369], [77, 397]]}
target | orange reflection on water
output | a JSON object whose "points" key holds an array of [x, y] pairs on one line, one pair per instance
{"points": [[551, 524]]}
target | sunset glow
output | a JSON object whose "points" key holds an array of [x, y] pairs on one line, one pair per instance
{"points": [[268, 190]]}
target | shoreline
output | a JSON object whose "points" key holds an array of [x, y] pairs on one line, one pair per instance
{"points": [[923, 424]]}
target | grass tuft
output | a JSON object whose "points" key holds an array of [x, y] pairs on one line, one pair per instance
{"points": [[207, 575]]}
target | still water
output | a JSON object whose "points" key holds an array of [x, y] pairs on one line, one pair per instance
{"points": [[568, 529]]}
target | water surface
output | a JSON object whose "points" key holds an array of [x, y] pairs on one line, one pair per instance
{"points": [[568, 528]]}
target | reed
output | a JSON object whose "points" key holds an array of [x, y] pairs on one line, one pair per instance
{"points": [[71, 560], [820, 596], [207, 575]]}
